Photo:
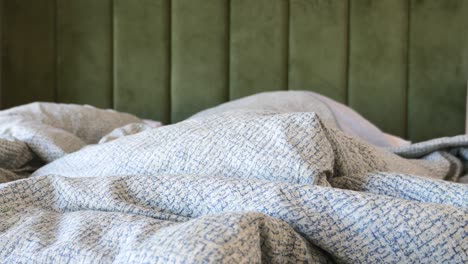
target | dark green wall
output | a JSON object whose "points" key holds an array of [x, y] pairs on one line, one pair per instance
{"points": [[403, 64], [1, 49]]}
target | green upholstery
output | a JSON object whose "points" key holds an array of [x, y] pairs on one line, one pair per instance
{"points": [[28, 55], [199, 56], [142, 58], [319, 47], [259, 47], [438, 68], [1, 50], [377, 62], [84, 52], [403, 64]]}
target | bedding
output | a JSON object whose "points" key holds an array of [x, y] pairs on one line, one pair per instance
{"points": [[242, 185], [331, 112]]}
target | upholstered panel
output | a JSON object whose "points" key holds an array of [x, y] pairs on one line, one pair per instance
{"points": [[318, 47], [28, 61], [142, 58], [378, 62], [438, 68], [199, 55], [1, 50], [403, 64], [259, 46], [84, 52]]}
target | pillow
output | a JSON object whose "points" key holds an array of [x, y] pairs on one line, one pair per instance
{"points": [[331, 112]]}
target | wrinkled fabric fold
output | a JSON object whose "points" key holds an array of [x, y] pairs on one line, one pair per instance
{"points": [[342, 225]]}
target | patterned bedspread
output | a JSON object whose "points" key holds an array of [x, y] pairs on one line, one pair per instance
{"points": [[80, 184]]}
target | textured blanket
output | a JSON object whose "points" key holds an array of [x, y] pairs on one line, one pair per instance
{"points": [[82, 184]]}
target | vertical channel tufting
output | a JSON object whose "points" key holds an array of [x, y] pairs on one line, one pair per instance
{"points": [[348, 37], [84, 52], [405, 67], [1, 54], [287, 42], [378, 59], [141, 58], [258, 46], [318, 47], [28, 46], [199, 56], [112, 53], [438, 68]]}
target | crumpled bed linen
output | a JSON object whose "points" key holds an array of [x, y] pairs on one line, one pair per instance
{"points": [[238, 186], [332, 113], [37, 133]]}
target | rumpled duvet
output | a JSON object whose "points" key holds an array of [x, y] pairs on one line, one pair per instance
{"points": [[80, 184]]}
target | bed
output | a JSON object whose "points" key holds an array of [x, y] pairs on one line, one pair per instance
{"points": [[274, 177], [215, 131]]}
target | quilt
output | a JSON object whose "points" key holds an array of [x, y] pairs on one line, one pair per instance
{"points": [[81, 184]]}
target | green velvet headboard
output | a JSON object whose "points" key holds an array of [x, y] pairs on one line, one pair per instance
{"points": [[402, 64]]}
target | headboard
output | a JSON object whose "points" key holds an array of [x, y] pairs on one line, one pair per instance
{"points": [[402, 64]]}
